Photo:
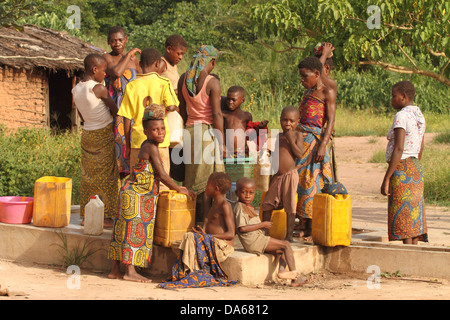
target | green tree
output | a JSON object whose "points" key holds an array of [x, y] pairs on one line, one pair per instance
{"points": [[222, 23], [372, 32], [11, 11]]}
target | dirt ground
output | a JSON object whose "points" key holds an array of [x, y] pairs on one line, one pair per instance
{"points": [[41, 282]]}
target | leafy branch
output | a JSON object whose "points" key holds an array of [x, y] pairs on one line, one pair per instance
{"points": [[418, 30]]}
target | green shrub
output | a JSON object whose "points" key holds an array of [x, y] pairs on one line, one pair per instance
{"points": [[29, 154], [378, 156], [442, 138]]}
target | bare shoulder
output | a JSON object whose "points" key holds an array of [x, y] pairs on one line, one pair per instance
{"points": [[146, 151], [108, 57], [329, 91], [213, 83], [100, 90], [226, 209], [226, 205]]}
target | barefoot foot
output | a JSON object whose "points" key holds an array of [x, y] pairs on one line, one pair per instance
{"points": [[291, 275], [136, 277], [115, 275], [305, 234], [300, 281]]}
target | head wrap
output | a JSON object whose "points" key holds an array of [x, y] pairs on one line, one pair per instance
{"points": [[199, 61], [318, 49], [154, 112]]}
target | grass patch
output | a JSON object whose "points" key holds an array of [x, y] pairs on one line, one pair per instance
{"points": [[378, 157], [76, 255], [436, 172], [350, 122], [442, 138], [361, 123]]}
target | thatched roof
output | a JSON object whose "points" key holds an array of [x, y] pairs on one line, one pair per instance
{"points": [[41, 47]]}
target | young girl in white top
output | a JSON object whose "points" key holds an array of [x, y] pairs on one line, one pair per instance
{"points": [[99, 172], [403, 181]]}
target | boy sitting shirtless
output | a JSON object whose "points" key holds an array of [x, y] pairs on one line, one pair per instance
{"points": [[283, 185], [237, 122], [219, 223]]}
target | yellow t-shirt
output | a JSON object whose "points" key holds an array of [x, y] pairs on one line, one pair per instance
{"points": [[160, 90]]}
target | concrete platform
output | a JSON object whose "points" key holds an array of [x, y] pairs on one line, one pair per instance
{"points": [[28, 243]]}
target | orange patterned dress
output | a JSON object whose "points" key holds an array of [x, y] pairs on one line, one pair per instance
{"points": [[312, 175], [132, 236]]}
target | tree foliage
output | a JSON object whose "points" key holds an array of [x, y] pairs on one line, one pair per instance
{"points": [[365, 32], [11, 11], [221, 23]]}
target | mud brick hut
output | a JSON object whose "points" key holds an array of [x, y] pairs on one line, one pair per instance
{"points": [[38, 69]]}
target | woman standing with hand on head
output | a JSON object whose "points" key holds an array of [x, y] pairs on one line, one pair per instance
{"points": [[122, 68]]}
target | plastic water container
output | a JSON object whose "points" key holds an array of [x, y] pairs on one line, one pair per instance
{"points": [[239, 167], [332, 220], [279, 221], [175, 216], [52, 202], [261, 173], [176, 126], [94, 216]]}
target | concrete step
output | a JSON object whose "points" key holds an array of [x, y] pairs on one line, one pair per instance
{"points": [[28, 243]]}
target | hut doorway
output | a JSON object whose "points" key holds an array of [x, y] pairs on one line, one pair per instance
{"points": [[60, 100]]}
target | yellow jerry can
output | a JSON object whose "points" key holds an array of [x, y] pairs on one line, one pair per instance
{"points": [[279, 220], [52, 202], [332, 220], [175, 215]]}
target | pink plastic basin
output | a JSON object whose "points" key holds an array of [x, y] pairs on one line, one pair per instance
{"points": [[16, 210]]}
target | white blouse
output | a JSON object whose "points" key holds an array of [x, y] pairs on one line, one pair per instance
{"points": [[411, 119]]}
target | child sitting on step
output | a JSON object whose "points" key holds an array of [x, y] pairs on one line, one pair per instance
{"points": [[250, 231]]}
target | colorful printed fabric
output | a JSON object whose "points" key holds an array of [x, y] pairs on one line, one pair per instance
{"points": [[199, 61], [312, 111], [406, 210], [116, 89], [132, 236], [99, 174], [201, 160], [334, 189], [210, 273], [313, 176]]}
